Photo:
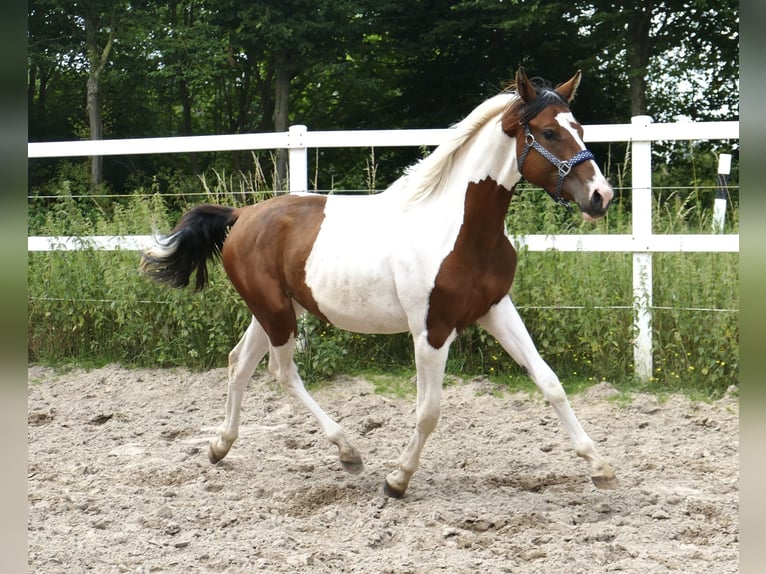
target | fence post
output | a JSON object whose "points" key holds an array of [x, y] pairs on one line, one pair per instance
{"points": [[641, 152], [721, 194], [298, 156]]}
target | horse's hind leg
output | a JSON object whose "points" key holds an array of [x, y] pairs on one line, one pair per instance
{"points": [[243, 359], [430, 364], [504, 323], [283, 366]]}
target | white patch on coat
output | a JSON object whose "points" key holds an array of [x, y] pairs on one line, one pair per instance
{"points": [[376, 257]]}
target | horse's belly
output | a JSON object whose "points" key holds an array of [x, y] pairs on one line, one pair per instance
{"points": [[360, 300], [369, 320]]}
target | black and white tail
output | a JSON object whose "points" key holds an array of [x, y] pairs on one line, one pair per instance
{"points": [[197, 239]]}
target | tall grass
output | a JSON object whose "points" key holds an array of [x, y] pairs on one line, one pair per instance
{"points": [[93, 307]]}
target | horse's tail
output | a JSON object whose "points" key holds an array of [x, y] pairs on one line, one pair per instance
{"points": [[197, 239]]}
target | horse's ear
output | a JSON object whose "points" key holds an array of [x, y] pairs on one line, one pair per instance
{"points": [[567, 90], [524, 88]]}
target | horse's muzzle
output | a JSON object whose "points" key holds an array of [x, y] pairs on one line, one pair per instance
{"points": [[599, 202]]}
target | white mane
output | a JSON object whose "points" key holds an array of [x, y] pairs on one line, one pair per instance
{"points": [[425, 177]]}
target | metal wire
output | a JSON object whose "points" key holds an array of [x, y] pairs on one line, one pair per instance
{"points": [[330, 191], [521, 307]]}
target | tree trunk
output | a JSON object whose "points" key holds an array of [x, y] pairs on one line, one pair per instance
{"points": [[96, 125], [639, 52], [97, 58], [282, 77], [266, 91]]}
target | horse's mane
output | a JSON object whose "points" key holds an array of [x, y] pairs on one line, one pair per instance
{"points": [[425, 176]]}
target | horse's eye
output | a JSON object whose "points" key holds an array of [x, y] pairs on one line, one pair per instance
{"points": [[548, 134]]}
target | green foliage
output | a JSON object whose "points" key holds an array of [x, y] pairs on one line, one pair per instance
{"points": [[199, 67], [93, 307], [325, 351], [696, 320]]}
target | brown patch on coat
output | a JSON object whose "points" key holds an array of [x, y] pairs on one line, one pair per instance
{"points": [[479, 270], [265, 258]]}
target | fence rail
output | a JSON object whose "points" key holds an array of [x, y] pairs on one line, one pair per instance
{"points": [[642, 242]]}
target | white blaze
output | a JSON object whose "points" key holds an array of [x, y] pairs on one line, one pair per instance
{"points": [[598, 183]]}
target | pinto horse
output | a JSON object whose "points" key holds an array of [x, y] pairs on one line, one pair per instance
{"points": [[429, 255]]}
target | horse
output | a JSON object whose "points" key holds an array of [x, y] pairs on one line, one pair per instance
{"points": [[430, 255]]}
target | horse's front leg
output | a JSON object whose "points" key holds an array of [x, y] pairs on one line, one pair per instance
{"points": [[505, 324], [243, 359], [429, 364]]}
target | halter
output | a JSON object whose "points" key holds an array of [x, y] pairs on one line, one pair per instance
{"points": [[564, 167]]}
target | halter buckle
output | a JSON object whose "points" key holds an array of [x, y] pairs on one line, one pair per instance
{"points": [[564, 167]]}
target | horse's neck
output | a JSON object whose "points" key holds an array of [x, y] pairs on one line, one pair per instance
{"points": [[435, 190], [472, 200], [489, 156], [493, 155]]}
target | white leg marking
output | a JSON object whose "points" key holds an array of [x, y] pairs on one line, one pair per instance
{"points": [[505, 324], [281, 360], [430, 364], [243, 359]]}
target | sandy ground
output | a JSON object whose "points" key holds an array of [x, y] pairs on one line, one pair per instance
{"points": [[119, 481]]}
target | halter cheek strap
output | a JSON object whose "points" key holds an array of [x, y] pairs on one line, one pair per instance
{"points": [[564, 167]]}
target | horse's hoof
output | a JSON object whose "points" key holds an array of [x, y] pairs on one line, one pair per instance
{"points": [[606, 482], [213, 456], [390, 491], [353, 466]]}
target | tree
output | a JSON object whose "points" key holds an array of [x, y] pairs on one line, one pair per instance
{"points": [[100, 28], [187, 55], [276, 41], [83, 34], [50, 53], [668, 52], [159, 68]]}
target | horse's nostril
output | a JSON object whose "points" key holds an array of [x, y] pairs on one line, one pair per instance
{"points": [[596, 201]]}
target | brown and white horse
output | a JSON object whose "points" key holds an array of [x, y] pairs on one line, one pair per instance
{"points": [[429, 255]]}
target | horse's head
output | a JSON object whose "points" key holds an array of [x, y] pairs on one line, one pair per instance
{"points": [[549, 146]]}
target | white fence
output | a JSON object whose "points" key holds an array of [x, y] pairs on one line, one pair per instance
{"points": [[641, 132]]}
